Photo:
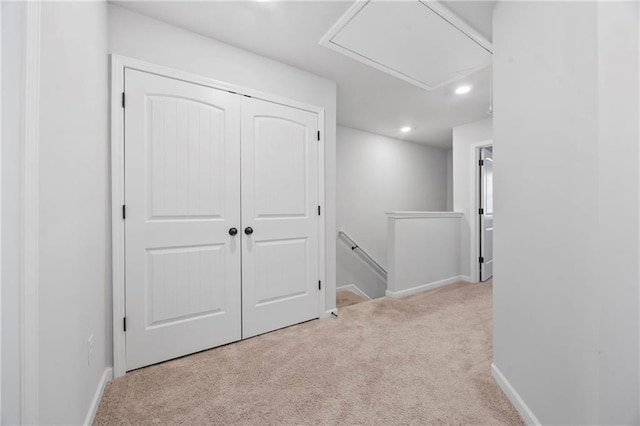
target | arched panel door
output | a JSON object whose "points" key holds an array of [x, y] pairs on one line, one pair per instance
{"points": [[279, 216], [182, 195]]}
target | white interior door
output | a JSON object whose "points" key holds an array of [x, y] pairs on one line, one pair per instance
{"points": [[182, 195], [280, 206], [486, 217]]}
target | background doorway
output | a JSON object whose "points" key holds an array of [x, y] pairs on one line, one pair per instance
{"points": [[485, 213]]}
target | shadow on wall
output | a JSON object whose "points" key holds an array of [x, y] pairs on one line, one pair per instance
{"points": [[353, 270]]}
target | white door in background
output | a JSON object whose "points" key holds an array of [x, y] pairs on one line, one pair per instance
{"points": [[182, 196], [280, 220], [486, 217]]}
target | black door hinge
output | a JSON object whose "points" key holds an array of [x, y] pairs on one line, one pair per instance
{"points": [[481, 259], [122, 99], [124, 211], [481, 163], [124, 323], [318, 210], [319, 285], [318, 134], [481, 211]]}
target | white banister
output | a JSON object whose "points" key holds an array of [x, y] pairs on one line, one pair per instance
{"points": [[423, 251], [423, 215]]}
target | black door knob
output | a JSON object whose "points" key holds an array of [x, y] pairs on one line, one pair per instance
{"points": [[233, 231], [248, 230]]}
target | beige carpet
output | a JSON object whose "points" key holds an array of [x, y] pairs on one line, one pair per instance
{"points": [[420, 360], [346, 298]]}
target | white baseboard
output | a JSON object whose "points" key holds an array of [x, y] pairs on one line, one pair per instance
{"points": [[329, 313], [423, 287], [467, 279], [353, 289], [514, 397], [107, 376]]}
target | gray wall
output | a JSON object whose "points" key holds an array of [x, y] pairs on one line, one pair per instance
{"points": [[73, 237], [143, 38], [566, 208], [463, 191], [12, 51], [353, 269], [450, 180], [619, 211], [74, 234], [377, 174]]}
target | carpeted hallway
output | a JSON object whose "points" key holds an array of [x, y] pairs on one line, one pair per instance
{"points": [[422, 360], [346, 298]]}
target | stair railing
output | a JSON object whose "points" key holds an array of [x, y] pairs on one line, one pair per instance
{"points": [[363, 254]]}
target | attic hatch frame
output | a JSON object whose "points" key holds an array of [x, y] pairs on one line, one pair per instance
{"points": [[434, 6]]}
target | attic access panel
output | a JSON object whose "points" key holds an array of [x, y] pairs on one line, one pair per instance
{"points": [[418, 41]]}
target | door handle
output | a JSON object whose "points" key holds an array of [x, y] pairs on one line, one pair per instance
{"points": [[233, 231], [248, 230]]}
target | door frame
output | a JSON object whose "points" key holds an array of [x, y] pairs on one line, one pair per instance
{"points": [[118, 65], [480, 194], [474, 250]]}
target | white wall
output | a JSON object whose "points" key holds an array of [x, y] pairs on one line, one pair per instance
{"points": [[450, 180], [12, 50], [74, 289], [566, 208], [377, 174], [619, 251], [354, 269], [464, 138], [146, 39], [424, 251]]}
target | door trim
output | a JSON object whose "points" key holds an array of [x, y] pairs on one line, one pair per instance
{"points": [[118, 66], [479, 217]]}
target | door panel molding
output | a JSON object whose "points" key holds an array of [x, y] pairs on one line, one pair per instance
{"points": [[182, 276], [118, 66], [280, 272]]}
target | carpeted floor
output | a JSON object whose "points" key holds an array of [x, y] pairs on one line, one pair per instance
{"points": [[424, 359], [346, 298]]}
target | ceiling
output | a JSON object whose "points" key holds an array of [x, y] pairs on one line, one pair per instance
{"points": [[397, 37], [368, 99]]}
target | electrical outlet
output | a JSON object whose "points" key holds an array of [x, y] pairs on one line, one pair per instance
{"points": [[90, 349]]}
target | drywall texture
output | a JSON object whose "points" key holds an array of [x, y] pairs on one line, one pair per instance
{"points": [[450, 180], [12, 54], [618, 208], [74, 235], [567, 221], [146, 39], [466, 139], [422, 251], [354, 269], [377, 174]]}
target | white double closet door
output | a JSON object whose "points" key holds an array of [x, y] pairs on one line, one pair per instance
{"points": [[201, 163]]}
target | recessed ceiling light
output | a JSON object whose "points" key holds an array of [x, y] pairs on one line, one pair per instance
{"points": [[405, 129], [462, 90]]}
